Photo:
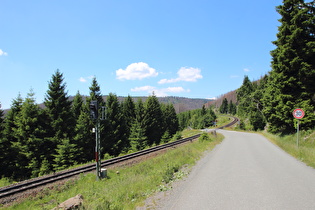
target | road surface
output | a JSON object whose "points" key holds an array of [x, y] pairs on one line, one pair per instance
{"points": [[245, 171]]}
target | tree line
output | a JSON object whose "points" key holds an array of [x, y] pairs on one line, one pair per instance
{"points": [[270, 101], [36, 141]]}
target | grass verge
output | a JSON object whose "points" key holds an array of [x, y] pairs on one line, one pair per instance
{"points": [[306, 150], [128, 188]]}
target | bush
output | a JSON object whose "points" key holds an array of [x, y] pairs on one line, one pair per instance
{"points": [[204, 137]]}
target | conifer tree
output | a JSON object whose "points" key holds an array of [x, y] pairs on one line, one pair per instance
{"points": [[58, 109], [30, 138], [137, 138], [8, 154], [170, 118], [224, 106], [153, 120], [84, 139], [291, 80], [116, 138], [128, 107], [66, 154], [231, 108], [77, 106]]}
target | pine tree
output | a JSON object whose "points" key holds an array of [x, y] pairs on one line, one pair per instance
{"points": [[8, 154], [77, 106], [231, 108], [291, 81], [137, 138], [58, 108], [171, 125], [95, 93], [128, 107], [84, 139], [153, 120], [66, 155], [116, 138], [244, 97], [224, 106], [30, 138]]}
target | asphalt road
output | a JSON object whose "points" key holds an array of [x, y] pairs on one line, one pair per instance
{"points": [[245, 171]]}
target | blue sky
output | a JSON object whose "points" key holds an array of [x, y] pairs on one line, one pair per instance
{"points": [[192, 48]]}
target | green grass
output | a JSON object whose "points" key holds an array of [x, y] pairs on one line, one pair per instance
{"points": [[5, 182], [306, 150], [223, 120], [130, 187]]}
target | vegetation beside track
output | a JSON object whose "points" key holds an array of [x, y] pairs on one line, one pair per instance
{"points": [[128, 188]]}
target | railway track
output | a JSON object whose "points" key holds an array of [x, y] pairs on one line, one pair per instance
{"points": [[34, 183]]}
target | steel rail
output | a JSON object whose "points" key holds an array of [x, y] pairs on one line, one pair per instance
{"points": [[33, 183]]}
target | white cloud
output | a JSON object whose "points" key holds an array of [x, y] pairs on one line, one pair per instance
{"points": [[246, 70], [85, 79], [184, 74], [135, 71], [160, 92], [234, 76], [82, 79], [144, 88], [3, 53]]}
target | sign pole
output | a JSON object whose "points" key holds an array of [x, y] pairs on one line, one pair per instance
{"points": [[298, 114], [297, 132]]}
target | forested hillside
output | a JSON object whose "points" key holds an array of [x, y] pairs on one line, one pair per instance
{"points": [[291, 82], [39, 139]]}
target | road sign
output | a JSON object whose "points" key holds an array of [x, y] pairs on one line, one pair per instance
{"points": [[298, 113]]}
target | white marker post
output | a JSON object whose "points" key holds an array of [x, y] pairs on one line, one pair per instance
{"points": [[298, 114]]}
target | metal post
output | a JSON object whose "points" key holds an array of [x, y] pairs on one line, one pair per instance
{"points": [[297, 133], [97, 151]]}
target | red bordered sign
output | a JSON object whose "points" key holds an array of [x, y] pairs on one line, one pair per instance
{"points": [[298, 113]]}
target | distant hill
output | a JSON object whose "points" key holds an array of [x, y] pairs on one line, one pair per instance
{"points": [[181, 104], [230, 96]]}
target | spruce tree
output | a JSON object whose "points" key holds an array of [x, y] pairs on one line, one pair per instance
{"points": [[224, 106], [30, 137], [77, 106], [170, 118], [291, 80], [153, 120], [8, 154], [58, 108], [116, 136], [137, 138], [128, 107], [84, 140]]}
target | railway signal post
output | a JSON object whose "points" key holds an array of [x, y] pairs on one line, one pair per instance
{"points": [[94, 114]]}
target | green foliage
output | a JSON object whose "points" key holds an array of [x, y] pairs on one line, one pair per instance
{"points": [[249, 104], [65, 156], [196, 119], [177, 136], [153, 120], [204, 137], [224, 107], [115, 136], [130, 187], [57, 107], [169, 173], [305, 152], [37, 141], [291, 81]]}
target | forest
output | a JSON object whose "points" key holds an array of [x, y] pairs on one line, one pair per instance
{"points": [[269, 102], [37, 140]]}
